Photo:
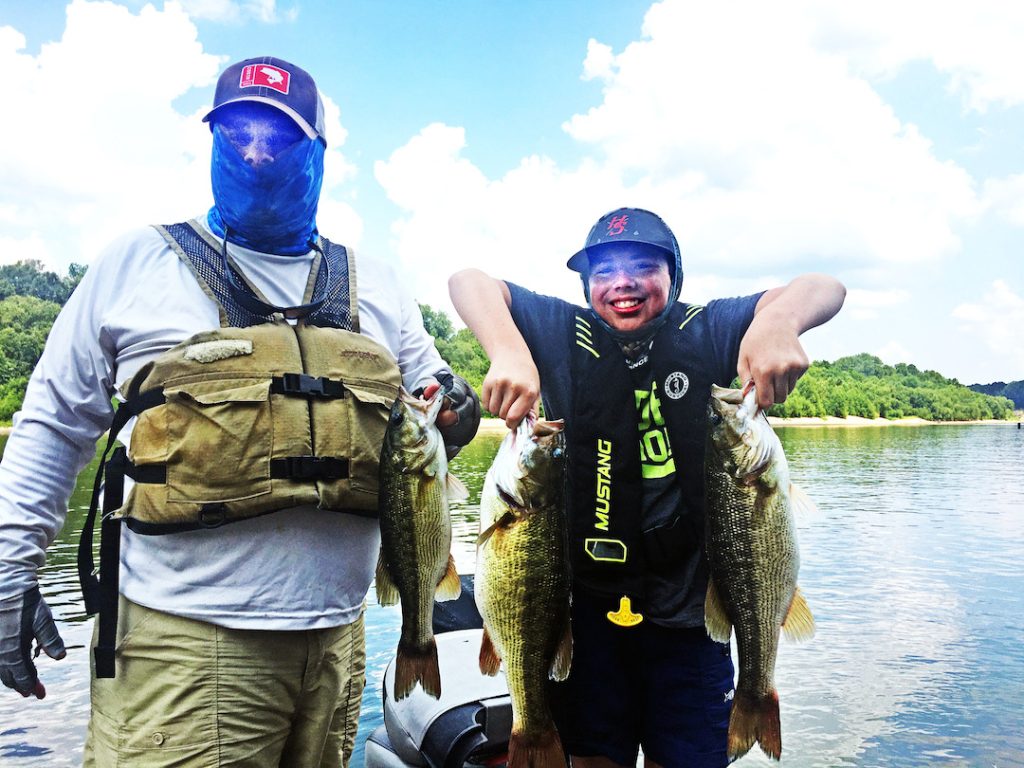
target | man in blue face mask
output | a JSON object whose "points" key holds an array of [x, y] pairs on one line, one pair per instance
{"points": [[238, 531]]}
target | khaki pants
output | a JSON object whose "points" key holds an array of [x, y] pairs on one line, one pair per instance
{"points": [[193, 695]]}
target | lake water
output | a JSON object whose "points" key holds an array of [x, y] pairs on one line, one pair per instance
{"points": [[913, 567]]}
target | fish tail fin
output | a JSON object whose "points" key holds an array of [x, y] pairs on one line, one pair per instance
{"points": [[490, 661], [387, 592], [450, 586], [541, 751], [457, 490], [799, 622], [755, 719], [417, 665], [716, 621]]}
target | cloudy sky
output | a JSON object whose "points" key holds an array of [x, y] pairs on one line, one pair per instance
{"points": [[879, 142]]}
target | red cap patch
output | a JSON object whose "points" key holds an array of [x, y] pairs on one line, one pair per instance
{"points": [[266, 75], [617, 225]]}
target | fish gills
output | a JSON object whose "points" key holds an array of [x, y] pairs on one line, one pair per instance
{"points": [[415, 565], [753, 561], [522, 584]]}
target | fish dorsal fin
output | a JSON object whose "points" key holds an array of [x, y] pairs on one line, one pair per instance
{"points": [[449, 587], [387, 592], [715, 619], [501, 522], [457, 490], [490, 661], [799, 623], [561, 664]]}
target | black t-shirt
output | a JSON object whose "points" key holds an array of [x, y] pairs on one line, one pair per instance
{"points": [[676, 594]]}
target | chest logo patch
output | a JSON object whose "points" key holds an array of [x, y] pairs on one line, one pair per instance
{"points": [[676, 385]]}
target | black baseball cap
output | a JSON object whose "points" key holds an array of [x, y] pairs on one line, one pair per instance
{"points": [[626, 225], [273, 81]]}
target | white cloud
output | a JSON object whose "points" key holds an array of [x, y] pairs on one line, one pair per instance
{"points": [[995, 321], [893, 352], [599, 61], [1006, 198], [791, 154], [31, 248], [976, 45], [234, 12], [766, 148], [862, 304], [99, 148], [521, 226]]}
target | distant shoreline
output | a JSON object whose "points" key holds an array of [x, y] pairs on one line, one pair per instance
{"points": [[495, 426]]}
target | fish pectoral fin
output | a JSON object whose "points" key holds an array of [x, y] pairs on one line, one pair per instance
{"points": [[387, 592], [425, 489], [490, 661], [716, 621], [450, 586], [487, 532], [799, 622], [802, 504], [457, 490], [562, 663]]}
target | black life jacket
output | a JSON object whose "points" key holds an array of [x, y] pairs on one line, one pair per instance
{"points": [[628, 427]]}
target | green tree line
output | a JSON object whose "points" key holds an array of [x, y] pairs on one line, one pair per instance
{"points": [[30, 298], [1014, 390], [861, 385]]}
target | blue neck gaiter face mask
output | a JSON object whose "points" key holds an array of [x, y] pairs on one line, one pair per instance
{"points": [[269, 207]]}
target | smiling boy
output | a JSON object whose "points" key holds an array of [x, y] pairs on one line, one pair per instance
{"points": [[631, 375]]}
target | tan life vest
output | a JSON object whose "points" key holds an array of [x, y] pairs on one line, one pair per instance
{"points": [[238, 422]]}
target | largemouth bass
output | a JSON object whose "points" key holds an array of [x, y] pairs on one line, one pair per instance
{"points": [[753, 560], [416, 565], [522, 583]]}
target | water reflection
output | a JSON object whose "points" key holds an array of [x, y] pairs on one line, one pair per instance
{"points": [[912, 568]]}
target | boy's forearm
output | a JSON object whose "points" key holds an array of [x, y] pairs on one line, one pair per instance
{"points": [[483, 304], [806, 302]]}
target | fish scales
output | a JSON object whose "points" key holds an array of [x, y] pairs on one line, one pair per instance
{"points": [[753, 560], [416, 566], [522, 584]]}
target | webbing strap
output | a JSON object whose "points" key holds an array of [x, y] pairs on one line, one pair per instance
{"points": [[110, 565], [96, 593]]}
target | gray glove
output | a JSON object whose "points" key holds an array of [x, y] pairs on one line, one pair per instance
{"points": [[465, 404], [22, 620]]}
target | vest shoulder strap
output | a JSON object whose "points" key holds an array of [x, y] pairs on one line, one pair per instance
{"points": [[203, 256]]}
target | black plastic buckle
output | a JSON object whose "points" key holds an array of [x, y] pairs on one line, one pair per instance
{"points": [[307, 386], [309, 468], [302, 384]]}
